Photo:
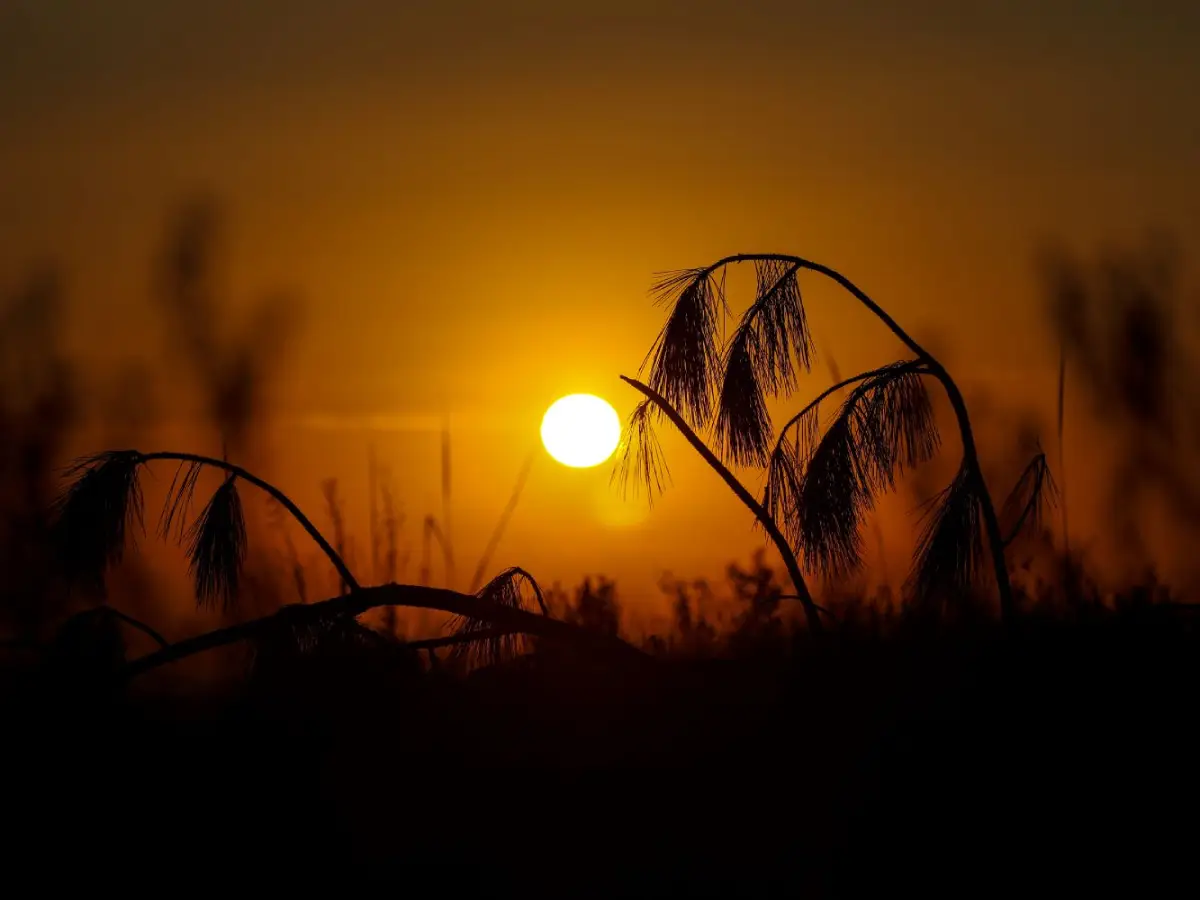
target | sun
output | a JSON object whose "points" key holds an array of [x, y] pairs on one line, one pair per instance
{"points": [[581, 430]]}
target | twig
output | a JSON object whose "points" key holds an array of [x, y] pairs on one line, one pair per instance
{"points": [[764, 518], [498, 532]]}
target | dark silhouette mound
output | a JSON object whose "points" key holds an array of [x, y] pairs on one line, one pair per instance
{"points": [[1059, 756]]}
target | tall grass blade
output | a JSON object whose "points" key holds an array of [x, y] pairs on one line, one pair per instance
{"points": [[502, 525]]}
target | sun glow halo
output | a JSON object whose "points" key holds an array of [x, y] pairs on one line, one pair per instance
{"points": [[581, 430]]}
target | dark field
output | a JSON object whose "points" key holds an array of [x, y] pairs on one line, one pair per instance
{"points": [[1057, 757]]}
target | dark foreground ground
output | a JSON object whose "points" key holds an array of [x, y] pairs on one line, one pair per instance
{"points": [[1057, 761]]}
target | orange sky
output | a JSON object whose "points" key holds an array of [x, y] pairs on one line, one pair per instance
{"points": [[471, 199]]}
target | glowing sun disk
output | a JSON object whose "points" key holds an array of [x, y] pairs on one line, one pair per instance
{"points": [[581, 430]]}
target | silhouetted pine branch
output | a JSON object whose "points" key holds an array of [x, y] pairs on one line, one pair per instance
{"points": [[812, 615], [483, 645], [685, 358], [884, 427], [641, 460], [743, 426], [179, 500], [760, 360], [485, 558], [822, 489], [950, 547], [94, 515], [216, 547], [103, 497]]}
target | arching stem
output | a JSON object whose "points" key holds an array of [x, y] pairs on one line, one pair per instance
{"points": [[811, 613], [991, 522], [334, 557], [833, 389], [970, 453], [140, 626]]}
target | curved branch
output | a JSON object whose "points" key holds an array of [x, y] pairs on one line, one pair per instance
{"points": [[140, 626], [1016, 530], [789, 558], [818, 607], [842, 280], [537, 591], [364, 599], [916, 367], [970, 452], [338, 563]]}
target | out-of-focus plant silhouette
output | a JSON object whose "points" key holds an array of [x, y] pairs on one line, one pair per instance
{"points": [[232, 369], [39, 403], [596, 607], [1130, 334]]}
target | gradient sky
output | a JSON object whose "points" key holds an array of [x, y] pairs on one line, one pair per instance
{"points": [[471, 199]]}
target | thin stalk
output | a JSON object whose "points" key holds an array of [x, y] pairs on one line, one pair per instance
{"points": [[434, 532], [445, 534], [991, 522], [334, 509], [373, 495], [338, 563], [1062, 461], [811, 613], [970, 453], [502, 525], [140, 626]]}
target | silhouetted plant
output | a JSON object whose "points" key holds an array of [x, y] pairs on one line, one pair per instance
{"points": [[445, 531], [394, 563], [696, 634], [99, 510], [504, 590], [232, 373], [820, 486], [333, 507], [595, 607], [278, 519], [88, 648], [39, 402], [510, 507], [1127, 331], [835, 376], [758, 595]]}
